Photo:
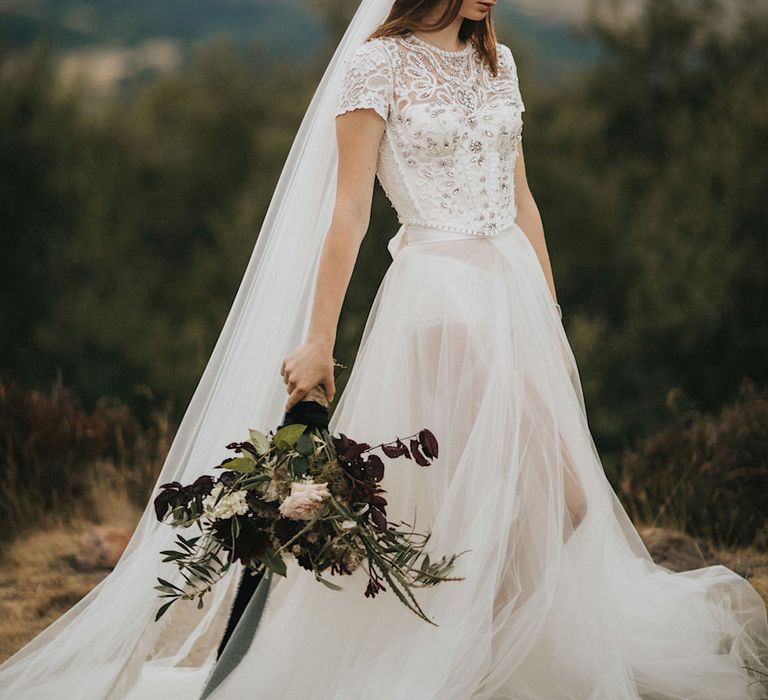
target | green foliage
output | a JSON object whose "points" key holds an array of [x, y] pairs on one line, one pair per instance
{"points": [[127, 225], [705, 475], [287, 436], [653, 197], [35, 133], [133, 226]]}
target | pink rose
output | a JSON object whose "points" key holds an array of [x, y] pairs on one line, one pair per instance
{"points": [[305, 501]]}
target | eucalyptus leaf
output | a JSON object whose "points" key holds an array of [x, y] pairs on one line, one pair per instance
{"points": [[273, 561], [168, 584], [288, 435], [244, 465], [299, 466], [329, 584], [163, 610], [259, 441], [173, 556], [304, 445]]}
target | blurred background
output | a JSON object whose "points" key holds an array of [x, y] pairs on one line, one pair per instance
{"points": [[140, 143]]}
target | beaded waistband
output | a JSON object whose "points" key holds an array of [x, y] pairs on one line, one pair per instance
{"points": [[415, 233]]}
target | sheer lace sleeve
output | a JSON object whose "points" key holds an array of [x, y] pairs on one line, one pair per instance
{"points": [[507, 63], [367, 81]]}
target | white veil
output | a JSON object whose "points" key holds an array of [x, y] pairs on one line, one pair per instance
{"points": [[98, 647]]}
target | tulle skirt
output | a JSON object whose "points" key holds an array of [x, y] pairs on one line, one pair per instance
{"points": [[560, 598]]}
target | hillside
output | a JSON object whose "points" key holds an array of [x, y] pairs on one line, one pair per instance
{"points": [[115, 41]]}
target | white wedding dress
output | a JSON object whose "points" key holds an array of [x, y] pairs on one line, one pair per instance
{"points": [[560, 598]]}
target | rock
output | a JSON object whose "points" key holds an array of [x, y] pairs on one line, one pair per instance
{"points": [[100, 548], [676, 550]]}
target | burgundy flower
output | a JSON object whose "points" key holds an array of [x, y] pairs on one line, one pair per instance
{"points": [[393, 451], [377, 510], [341, 443], [374, 586], [286, 528], [421, 460], [251, 542], [164, 499], [304, 561], [428, 443], [375, 467], [175, 495]]}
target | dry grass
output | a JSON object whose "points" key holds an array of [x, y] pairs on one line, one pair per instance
{"points": [[706, 475], [37, 581], [59, 461], [63, 469], [749, 563], [37, 585], [679, 551]]}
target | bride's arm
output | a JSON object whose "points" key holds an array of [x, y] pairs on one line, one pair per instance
{"points": [[359, 134], [529, 220]]}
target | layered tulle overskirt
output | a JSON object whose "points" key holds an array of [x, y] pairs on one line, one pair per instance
{"points": [[560, 598]]}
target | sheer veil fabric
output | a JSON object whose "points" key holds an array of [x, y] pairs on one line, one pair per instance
{"points": [[96, 649], [560, 600]]}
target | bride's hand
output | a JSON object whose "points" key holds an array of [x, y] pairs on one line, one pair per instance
{"points": [[306, 366]]}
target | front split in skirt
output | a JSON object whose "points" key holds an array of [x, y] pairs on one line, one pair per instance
{"points": [[560, 598]]}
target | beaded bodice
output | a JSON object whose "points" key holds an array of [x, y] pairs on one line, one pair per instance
{"points": [[450, 144]]}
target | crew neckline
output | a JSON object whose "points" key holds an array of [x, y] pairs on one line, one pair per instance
{"points": [[445, 52]]}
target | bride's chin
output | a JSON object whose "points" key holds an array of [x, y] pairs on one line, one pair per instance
{"points": [[477, 15]]}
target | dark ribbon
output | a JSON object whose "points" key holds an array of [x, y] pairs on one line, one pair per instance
{"points": [[253, 589], [234, 648], [310, 413]]}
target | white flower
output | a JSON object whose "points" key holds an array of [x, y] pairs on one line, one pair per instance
{"points": [[228, 505], [305, 501]]}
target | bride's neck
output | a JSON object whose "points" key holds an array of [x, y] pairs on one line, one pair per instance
{"points": [[446, 38]]}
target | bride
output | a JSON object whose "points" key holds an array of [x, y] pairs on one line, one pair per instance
{"points": [[560, 598]]}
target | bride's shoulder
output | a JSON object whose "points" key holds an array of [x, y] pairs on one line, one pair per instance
{"points": [[368, 78], [377, 49], [506, 61]]}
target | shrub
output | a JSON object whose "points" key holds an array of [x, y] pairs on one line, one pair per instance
{"points": [[705, 475], [56, 457]]}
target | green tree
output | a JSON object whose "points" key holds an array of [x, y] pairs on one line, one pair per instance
{"points": [[127, 225], [654, 199], [36, 125]]}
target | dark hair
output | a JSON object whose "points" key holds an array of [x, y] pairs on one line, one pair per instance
{"points": [[408, 16]]}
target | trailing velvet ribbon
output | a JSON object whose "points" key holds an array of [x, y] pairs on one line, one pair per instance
{"points": [[239, 640], [253, 589]]}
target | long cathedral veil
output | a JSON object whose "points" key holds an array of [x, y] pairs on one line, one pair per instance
{"points": [[97, 648]]}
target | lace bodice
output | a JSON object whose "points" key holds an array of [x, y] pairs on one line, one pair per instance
{"points": [[448, 153]]}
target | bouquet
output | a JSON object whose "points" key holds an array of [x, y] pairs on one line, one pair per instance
{"points": [[300, 492]]}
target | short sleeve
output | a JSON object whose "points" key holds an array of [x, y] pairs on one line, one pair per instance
{"points": [[367, 80], [507, 63]]}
